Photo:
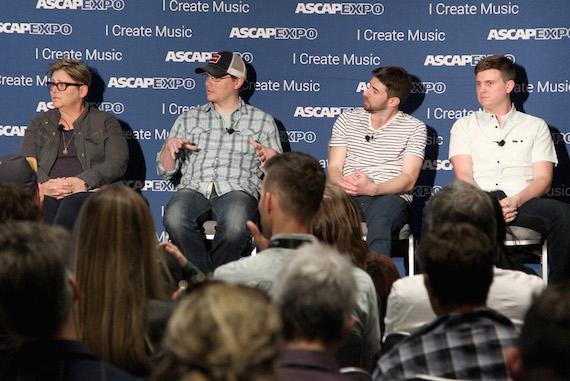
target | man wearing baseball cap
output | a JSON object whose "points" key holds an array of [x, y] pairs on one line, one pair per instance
{"points": [[217, 149]]}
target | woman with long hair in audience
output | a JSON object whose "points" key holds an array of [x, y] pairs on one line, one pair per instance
{"points": [[221, 332], [123, 305], [338, 224]]}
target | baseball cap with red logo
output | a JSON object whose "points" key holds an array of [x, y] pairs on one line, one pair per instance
{"points": [[224, 63]]}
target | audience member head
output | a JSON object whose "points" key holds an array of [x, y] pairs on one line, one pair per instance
{"points": [[221, 332], [76, 69], [294, 182], [397, 81], [36, 293], [15, 169], [18, 203], [544, 344], [338, 223], [117, 269], [500, 63], [457, 262], [315, 295], [462, 202]]}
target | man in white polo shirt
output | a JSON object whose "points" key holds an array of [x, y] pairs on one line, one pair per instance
{"points": [[512, 155], [376, 154]]}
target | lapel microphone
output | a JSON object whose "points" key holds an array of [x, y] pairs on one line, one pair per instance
{"points": [[230, 130], [60, 128], [501, 143], [368, 137]]}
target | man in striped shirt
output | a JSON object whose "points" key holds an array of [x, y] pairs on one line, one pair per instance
{"points": [[217, 149], [376, 154]]}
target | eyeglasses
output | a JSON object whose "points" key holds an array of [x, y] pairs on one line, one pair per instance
{"points": [[62, 86], [215, 79]]}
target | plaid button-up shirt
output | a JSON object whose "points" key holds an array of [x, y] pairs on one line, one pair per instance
{"points": [[465, 345], [226, 159]]}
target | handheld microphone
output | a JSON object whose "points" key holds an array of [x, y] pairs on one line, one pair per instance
{"points": [[368, 137], [60, 128], [230, 130]]}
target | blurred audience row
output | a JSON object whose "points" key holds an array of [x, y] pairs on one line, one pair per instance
{"points": [[107, 302]]}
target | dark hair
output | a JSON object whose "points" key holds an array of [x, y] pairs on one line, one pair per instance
{"points": [[544, 342], [299, 181], [458, 259], [338, 224], [462, 202], [35, 293], [397, 81], [499, 62], [117, 266], [18, 203]]}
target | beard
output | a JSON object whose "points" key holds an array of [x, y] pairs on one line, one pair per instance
{"points": [[373, 108]]}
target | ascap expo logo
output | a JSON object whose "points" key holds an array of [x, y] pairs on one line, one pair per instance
{"points": [[84, 5], [344, 9], [41, 28]]}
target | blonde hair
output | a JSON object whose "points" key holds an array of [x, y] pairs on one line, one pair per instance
{"points": [[76, 69], [117, 270], [221, 332]]}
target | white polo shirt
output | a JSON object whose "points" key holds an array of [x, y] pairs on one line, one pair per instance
{"points": [[502, 155]]}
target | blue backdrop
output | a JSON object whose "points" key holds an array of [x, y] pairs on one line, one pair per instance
{"points": [[308, 62]]}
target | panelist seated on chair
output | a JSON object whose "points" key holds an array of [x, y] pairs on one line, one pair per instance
{"points": [[77, 147], [512, 155], [217, 149], [376, 154]]}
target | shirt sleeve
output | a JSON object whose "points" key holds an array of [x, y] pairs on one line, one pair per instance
{"points": [[417, 143], [459, 139], [367, 324], [29, 148], [543, 148], [271, 137], [177, 131], [338, 138], [116, 156]]}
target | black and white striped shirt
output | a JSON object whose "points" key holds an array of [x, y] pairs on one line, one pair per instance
{"points": [[381, 155]]}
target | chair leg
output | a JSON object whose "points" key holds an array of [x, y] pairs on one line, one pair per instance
{"points": [[411, 255], [544, 262]]}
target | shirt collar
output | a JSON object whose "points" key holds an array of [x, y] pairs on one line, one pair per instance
{"points": [[507, 117], [241, 107]]}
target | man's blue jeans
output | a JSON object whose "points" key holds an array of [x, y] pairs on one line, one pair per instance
{"points": [[187, 211], [384, 216]]}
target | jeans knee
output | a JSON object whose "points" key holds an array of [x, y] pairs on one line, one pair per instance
{"points": [[233, 232]]}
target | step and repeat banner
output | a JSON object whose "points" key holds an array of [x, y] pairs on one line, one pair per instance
{"points": [[308, 62]]}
